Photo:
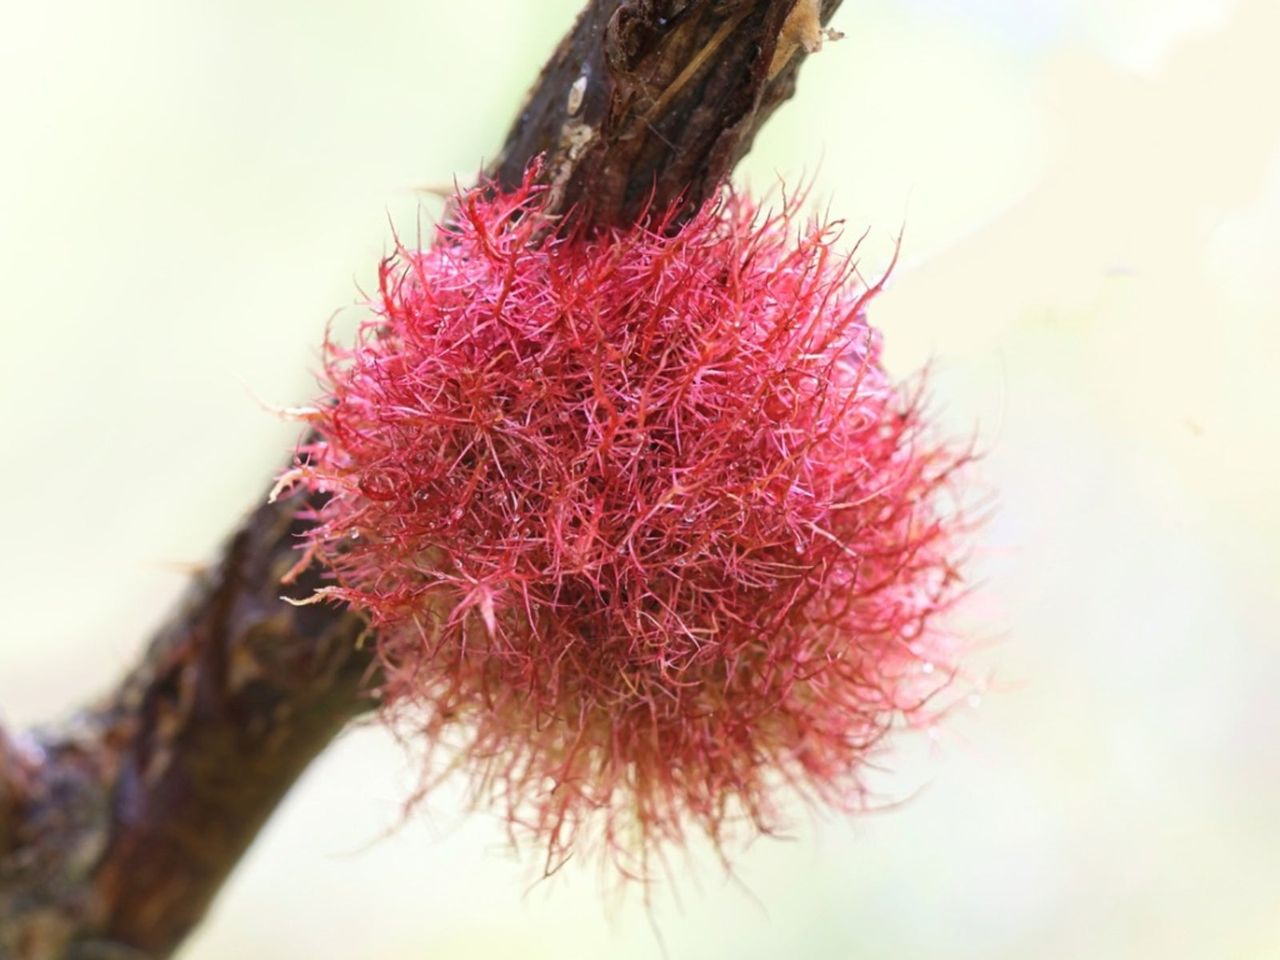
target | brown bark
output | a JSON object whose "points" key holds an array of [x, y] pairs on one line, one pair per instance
{"points": [[118, 827], [15, 788], [133, 814], [657, 100]]}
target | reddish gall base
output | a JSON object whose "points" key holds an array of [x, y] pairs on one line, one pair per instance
{"points": [[646, 534]]}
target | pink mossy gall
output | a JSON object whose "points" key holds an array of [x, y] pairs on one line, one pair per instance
{"points": [[648, 537]]}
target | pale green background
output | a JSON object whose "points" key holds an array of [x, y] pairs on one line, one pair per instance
{"points": [[1091, 189]]}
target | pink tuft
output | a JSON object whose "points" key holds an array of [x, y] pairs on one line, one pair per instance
{"points": [[643, 527]]}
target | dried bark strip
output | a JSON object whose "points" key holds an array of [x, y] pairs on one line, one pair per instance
{"points": [[118, 828]]}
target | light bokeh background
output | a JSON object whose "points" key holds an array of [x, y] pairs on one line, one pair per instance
{"points": [[1091, 195]]}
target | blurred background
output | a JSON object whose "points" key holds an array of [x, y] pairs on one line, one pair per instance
{"points": [[1091, 196]]}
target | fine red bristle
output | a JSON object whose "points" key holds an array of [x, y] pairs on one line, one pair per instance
{"points": [[643, 527]]}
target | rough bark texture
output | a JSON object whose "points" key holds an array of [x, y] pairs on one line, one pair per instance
{"points": [[131, 815], [118, 827], [657, 100]]}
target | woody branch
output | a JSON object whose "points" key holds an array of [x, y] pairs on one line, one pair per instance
{"points": [[118, 826]]}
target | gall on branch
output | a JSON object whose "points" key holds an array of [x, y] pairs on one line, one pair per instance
{"points": [[648, 537]]}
